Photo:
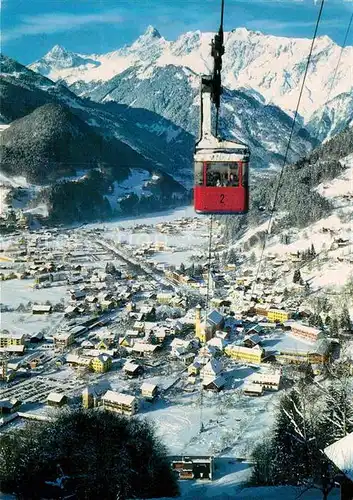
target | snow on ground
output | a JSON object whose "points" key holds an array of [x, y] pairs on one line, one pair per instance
{"points": [[177, 258], [133, 184], [14, 292], [231, 486], [285, 341], [41, 209], [183, 245], [335, 275], [232, 422], [3, 194], [342, 185], [153, 219], [18, 181], [28, 323]]}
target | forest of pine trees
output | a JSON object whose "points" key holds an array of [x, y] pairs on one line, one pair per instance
{"points": [[309, 418], [85, 454]]}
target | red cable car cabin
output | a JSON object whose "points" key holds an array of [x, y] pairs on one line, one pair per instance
{"points": [[221, 181], [221, 168]]}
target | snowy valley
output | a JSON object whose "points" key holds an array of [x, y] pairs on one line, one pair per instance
{"points": [[230, 335]]}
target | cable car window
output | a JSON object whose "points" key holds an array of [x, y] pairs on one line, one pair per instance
{"points": [[198, 173], [245, 174], [222, 174]]}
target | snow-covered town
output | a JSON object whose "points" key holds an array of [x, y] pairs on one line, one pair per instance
{"points": [[176, 267], [115, 316]]}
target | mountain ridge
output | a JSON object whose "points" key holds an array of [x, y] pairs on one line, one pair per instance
{"points": [[249, 61]]}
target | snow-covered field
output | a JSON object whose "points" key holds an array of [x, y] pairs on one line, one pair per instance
{"points": [[16, 292], [28, 323], [183, 244], [133, 184]]}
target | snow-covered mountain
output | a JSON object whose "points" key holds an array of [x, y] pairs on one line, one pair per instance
{"points": [[159, 118], [269, 66], [332, 117]]}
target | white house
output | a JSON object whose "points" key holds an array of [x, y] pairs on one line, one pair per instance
{"points": [[180, 346], [149, 391], [211, 370]]}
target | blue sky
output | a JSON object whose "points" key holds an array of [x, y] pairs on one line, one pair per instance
{"points": [[31, 27]]}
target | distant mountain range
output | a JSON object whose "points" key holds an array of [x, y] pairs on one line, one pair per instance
{"points": [[132, 115], [267, 67]]}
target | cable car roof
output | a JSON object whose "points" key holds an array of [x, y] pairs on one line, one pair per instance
{"points": [[210, 148]]}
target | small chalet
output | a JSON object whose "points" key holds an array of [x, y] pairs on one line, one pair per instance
{"points": [[144, 349], [9, 406], [77, 295], [215, 384], [197, 467], [56, 399], [211, 370], [180, 347], [253, 390], [251, 340], [216, 342], [149, 391], [194, 368], [41, 309], [132, 369], [187, 358]]}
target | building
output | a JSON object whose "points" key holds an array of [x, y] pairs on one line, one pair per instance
{"points": [[341, 455], [91, 395], [320, 352], [214, 384], [101, 363], [56, 399], [211, 370], [245, 354], [142, 349], [194, 368], [9, 406], [261, 310], [149, 391], [132, 369], [198, 467], [253, 390], [180, 347], [278, 315], [269, 381], [8, 339], [41, 309], [215, 321], [3, 367], [305, 332], [165, 298], [63, 340], [204, 331], [120, 403], [251, 340], [88, 399]]}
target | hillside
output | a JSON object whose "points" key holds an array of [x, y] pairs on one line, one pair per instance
{"points": [[299, 204], [61, 145], [173, 93], [314, 208], [162, 130], [270, 67]]}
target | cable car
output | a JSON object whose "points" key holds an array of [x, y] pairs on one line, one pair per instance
{"points": [[221, 169], [221, 166]]}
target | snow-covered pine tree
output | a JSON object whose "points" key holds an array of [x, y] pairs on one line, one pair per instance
{"points": [[345, 321]]}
